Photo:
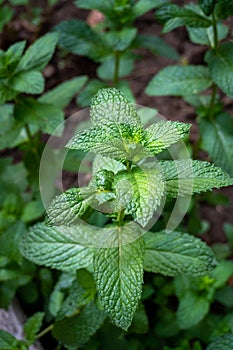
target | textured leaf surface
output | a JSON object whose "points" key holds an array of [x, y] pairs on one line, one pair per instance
{"points": [[162, 134], [39, 53], [184, 177], [177, 253], [76, 331], [119, 274], [140, 192], [221, 67], [222, 343], [191, 310], [106, 163], [65, 248], [30, 82], [179, 81], [217, 140], [112, 236], [176, 16], [78, 38], [66, 208], [62, 94], [118, 141], [32, 326], [110, 106]]}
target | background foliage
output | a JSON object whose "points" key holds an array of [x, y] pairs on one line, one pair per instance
{"points": [[67, 300]]}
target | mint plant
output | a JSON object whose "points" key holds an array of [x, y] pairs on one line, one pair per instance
{"points": [[112, 44], [23, 118], [202, 86], [128, 188]]}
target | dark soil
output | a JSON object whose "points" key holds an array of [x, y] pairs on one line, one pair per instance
{"points": [[62, 68]]}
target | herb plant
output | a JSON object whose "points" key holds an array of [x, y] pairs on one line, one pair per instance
{"points": [[103, 266], [205, 25], [23, 118], [111, 44]]}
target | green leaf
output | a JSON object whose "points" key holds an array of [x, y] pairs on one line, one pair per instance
{"points": [[117, 130], [65, 248], [7, 341], [143, 6], [111, 106], [207, 6], [32, 211], [32, 326], [68, 207], [6, 15], [30, 82], [176, 16], [92, 87], [77, 37], [221, 67], [205, 36], [39, 53], [224, 8], [185, 177], [77, 330], [10, 128], [222, 273], [156, 45], [140, 324], [6, 93], [103, 140], [102, 6], [179, 81], [78, 296], [217, 140], [120, 40], [106, 163], [222, 343], [62, 94], [118, 273], [198, 306], [14, 53], [228, 230], [139, 192], [46, 117], [9, 241], [163, 134], [176, 253], [8, 274], [107, 69]]}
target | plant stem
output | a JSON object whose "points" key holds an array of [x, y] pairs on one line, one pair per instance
{"points": [[31, 142], [212, 101], [45, 331], [28, 132], [120, 217], [215, 30], [116, 69]]}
